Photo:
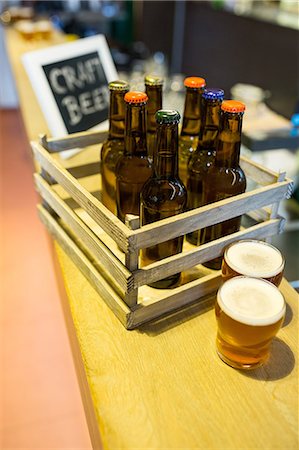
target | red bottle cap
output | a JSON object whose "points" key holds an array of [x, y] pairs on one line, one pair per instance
{"points": [[233, 106], [135, 97], [194, 82]]}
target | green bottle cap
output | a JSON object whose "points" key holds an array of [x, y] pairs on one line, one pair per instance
{"points": [[167, 116], [152, 80], [118, 85]]}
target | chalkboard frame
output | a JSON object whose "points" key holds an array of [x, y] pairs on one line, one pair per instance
{"points": [[34, 62]]}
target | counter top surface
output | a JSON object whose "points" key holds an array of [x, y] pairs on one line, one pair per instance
{"points": [[163, 386]]}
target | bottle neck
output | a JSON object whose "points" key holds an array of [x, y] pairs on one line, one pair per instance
{"points": [[229, 139], [154, 103], [209, 124], [117, 115], [135, 130], [192, 112], [166, 156]]}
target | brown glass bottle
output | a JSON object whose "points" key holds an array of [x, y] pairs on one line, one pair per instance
{"points": [[225, 178], [113, 148], [203, 158], [133, 168], [191, 122], [153, 89], [164, 194]]}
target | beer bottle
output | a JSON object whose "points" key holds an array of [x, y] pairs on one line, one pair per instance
{"points": [[164, 195], [225, 178], [113, 148], [203, 158], [153, 89], [191, 122], [133, 168]]}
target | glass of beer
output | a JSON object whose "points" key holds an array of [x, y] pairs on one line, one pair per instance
{"points": [[249, 313], [253, 258]]}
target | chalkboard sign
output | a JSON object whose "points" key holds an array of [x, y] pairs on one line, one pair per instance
{"points": [[79, 86], [71, 83]]}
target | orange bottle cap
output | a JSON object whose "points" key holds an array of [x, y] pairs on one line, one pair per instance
{"points": [[233, 106], [135, 97], [194, 82]]}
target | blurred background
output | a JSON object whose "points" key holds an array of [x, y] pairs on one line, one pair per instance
{"points": [[226, 41], [249, 48]]}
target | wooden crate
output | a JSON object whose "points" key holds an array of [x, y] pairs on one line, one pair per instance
{"points": [[107, 250]]}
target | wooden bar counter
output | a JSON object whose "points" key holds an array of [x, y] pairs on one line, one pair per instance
{"points": [[163, 386]]}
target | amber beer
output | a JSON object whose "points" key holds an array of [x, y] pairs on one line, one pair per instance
{"points": [[225, 178], [164, 195], [133, 168], [26, 28], [43, 29], [202, 159], [113, 147], [249, 313], [191, 122], [254, 259], [153, 89]]}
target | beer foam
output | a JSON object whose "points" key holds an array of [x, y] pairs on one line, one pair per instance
{"points": [[251, 301], [254, 258]]}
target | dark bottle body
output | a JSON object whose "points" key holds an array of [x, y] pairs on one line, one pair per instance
{"points": [[188, 140], [164, 195], [113, 148], [133, 171], [133, 168], [226, 178], [203, 158], [153, 89]]}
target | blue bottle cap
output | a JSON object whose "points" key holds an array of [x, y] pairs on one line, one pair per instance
{"points": [[213, 94]]}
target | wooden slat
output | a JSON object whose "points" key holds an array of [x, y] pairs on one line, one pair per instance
{"points": [[179, 297], [205, 252], [74, 205], [257, 172], [77, 172], [207, 215], [260, 215], [131, 298], [75, 140], [120, 274], [99, 283], [101, 215]]}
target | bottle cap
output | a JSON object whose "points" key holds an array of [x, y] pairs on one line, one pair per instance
{"points": [[118, 85], [135, 97], [152, 80], [194, 82], [213, 94], [233, 106], [167, 116]]}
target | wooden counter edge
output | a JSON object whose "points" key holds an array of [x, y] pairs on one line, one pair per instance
{"points": [[91, 419]]}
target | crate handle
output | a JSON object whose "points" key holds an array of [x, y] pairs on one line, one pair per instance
{"points": [[74, 140]]}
